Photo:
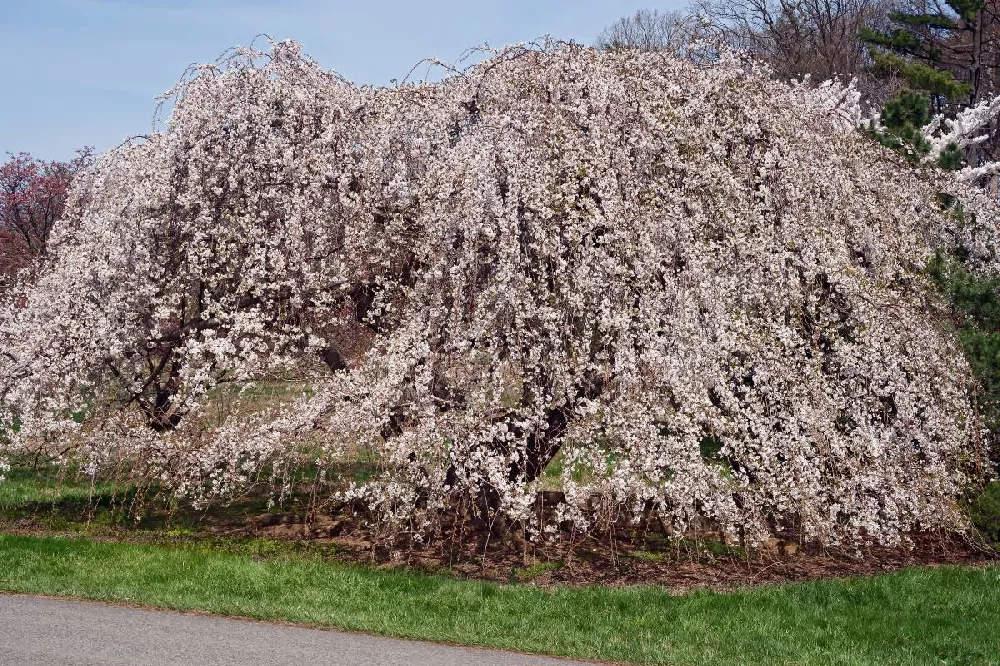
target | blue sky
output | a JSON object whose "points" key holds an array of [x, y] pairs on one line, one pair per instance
{"points": [[86, 72]]}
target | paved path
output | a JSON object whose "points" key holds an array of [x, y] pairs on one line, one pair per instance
{"points": [[44, 632]]}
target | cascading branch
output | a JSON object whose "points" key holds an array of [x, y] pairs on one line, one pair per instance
{"points": [[700, 289]]}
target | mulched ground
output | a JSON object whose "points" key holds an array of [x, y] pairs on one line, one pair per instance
{"points": [[624, 558], [621, 559]]}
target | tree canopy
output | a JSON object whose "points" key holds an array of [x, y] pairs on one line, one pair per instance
{"points": [[33, 193], [701, 289]]}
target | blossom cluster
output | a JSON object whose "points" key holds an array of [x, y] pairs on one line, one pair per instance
{"points": [[969, 127], [696, 288]]}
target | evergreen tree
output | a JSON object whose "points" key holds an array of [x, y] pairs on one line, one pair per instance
{"points": [[901, 121], [938, 51]]}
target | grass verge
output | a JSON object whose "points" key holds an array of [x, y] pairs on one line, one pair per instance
{"points": [[944, 615]]}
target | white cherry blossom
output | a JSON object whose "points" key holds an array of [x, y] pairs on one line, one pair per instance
{"points": [[694, 284]]}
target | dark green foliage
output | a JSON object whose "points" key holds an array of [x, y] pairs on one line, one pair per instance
{"points": [[919, 76], [912, 35], [982, 349], [977, 298], [976, 304], [976, 307], [897, 39], [912, 50], [710, 447], [907, 111], [967, 9], [934, 21], [985, 513], [951, 158], [902, 117]]}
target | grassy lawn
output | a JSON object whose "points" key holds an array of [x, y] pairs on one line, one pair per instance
{"points": [[25, 488], [944, 615]]}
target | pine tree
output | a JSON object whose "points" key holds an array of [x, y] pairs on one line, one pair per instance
{"points": [[938, 52]]}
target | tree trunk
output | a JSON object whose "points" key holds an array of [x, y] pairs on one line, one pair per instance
{"points": [[977, 58]]}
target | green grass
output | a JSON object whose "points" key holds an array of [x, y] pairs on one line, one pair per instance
{"points": [[25, 488], [944, 615]]}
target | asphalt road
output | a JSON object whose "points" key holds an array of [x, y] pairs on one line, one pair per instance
{"points": [[44, 632]]}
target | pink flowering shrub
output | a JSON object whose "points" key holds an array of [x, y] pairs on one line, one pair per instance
{"points": [[701, 289]]}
